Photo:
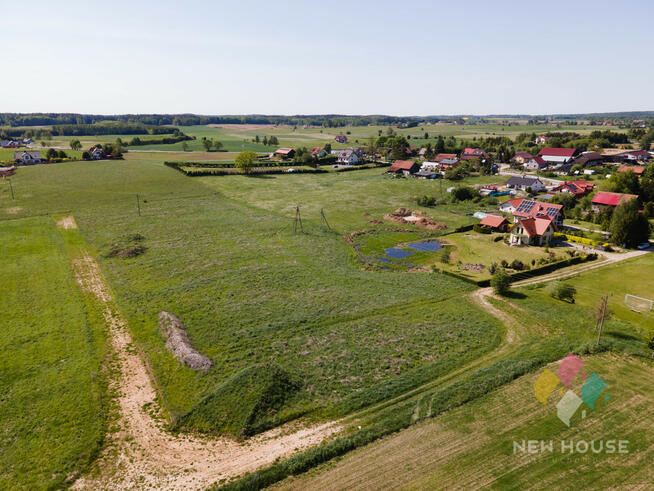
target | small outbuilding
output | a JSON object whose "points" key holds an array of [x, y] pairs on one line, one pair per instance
{"points": [[495, 223]]}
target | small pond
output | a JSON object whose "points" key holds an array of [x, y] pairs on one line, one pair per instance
{"points": [[397, 253], [428, 246]]}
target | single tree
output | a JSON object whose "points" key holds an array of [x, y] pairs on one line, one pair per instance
{"points": [[245, 161], [562, 291], [628, 226], [184, 146], [217, 145], [75, 144], [501, 282]]}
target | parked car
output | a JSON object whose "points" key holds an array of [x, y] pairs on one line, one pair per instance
{"points": [[644, 245]]}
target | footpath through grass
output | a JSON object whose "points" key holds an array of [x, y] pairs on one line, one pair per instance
{"points": [[53, 401]]}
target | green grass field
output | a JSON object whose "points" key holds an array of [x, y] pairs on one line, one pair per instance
{"points": [[250, 290], [292, 313], [472, 446], [54, 402]]}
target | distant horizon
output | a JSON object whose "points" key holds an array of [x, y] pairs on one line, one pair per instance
{"points": [[333, 114]]}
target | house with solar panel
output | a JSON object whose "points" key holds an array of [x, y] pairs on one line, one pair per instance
{"points": [[528, 208]]}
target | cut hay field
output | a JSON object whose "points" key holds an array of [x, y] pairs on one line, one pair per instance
{"points": [[472, 447], [54, 402]]}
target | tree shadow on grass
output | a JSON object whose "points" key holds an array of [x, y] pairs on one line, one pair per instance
{"points": [[261, 176], [515, 295]]}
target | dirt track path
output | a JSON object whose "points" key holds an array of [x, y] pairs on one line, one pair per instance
{"points": [[142, 454]]}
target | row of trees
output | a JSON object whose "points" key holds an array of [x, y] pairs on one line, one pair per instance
{"points": [[268, 141]]}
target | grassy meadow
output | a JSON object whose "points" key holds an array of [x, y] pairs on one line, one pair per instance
{"points": [[252, 292], [54, 402], [295, 321], [472, 446]]}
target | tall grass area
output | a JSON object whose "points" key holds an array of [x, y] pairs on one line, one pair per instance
{"points": [[252, 292], [53, 402]]}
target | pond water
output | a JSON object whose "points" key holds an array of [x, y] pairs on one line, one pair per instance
{"points": [[430, 246], [397, 253]]}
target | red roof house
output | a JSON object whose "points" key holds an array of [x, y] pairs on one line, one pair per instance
{"points": [[533, 231], [636, 170], [494, 222], [578, 188], [604, 199], [404, 166], [473, 153]]}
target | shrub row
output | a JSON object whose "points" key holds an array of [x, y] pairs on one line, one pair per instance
{"points": [[523, 275], [166, 140], [578, 239]]}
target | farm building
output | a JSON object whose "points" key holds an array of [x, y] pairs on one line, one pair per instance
{"points": [[285, 153], [638, 170], [533, 231], [425, 174], [633, 155], [28, 157], [405, 167], [604, 199], [578, 188], [556, 155], [541, 140], [523, 183], [535, 163], [9, 144], [495, 223], [522, 157], [588, 159]]}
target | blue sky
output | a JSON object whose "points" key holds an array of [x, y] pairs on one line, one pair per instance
{"points": [[302, 57]]}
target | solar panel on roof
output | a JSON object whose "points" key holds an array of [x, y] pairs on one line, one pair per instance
{"points": [[526, 206]]}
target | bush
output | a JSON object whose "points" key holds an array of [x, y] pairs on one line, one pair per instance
{"points": [[480, 229], [562, 291], [463, 193], [426, 200], [501, 282], [126, 247], [517, 265]]}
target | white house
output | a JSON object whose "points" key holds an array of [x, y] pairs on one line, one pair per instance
{"points": [[533, 231], [523, 183], [347, 157], [535, 163]]}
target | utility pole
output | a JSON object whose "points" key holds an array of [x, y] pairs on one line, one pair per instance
{"points": [[138, 203], [324, 219], [298, 219], [605, 299]]}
